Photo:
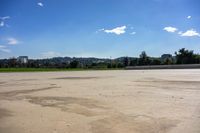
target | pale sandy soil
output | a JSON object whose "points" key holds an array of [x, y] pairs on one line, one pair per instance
{"points": [[144, 101]]}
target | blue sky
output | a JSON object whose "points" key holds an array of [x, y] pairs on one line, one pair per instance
{"points": [[97, 28]]}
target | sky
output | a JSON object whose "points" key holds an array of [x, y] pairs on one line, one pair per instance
{"points": [[98, 28]]}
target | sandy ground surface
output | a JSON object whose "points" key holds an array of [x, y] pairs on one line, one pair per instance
{"points": [[124, 101]]}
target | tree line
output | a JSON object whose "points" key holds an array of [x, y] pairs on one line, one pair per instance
{"points": [[182, 56]]}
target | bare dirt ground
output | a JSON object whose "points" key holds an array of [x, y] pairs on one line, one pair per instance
{"points": [[129, 101]]}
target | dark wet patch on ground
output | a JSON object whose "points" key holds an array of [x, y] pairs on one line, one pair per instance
{"points": [[132, 124], [26, 80], [168, 84], [2, 83], [14, 93], [18, 83], [82, 106], [170, 81], [4, 113]]}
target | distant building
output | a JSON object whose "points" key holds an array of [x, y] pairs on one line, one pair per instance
{"points": [[166, 56], [22, 59]]}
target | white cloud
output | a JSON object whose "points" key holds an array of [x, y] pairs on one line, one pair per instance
{"points": [[1, 46], [50, 54], [189, 17], [180, 32], [170, 29], [189, 33], [1, 23], [4, 49], [12, 41], [99, 30], [2, 20], [133, 33], [117, 30], [40, 4]]}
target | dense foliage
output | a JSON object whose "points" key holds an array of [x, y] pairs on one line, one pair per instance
{"points": [[183, 56]]}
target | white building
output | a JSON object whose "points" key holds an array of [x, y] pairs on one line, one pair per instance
{"points": [[23, 59]]}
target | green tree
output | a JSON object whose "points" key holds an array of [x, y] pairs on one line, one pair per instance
{"points": [[197, 58], [155, 62], [74, 64], [126, 61], [184, 56], [144, 59], [12, 62], [120, 65], [134, 62], [168, 61]]}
